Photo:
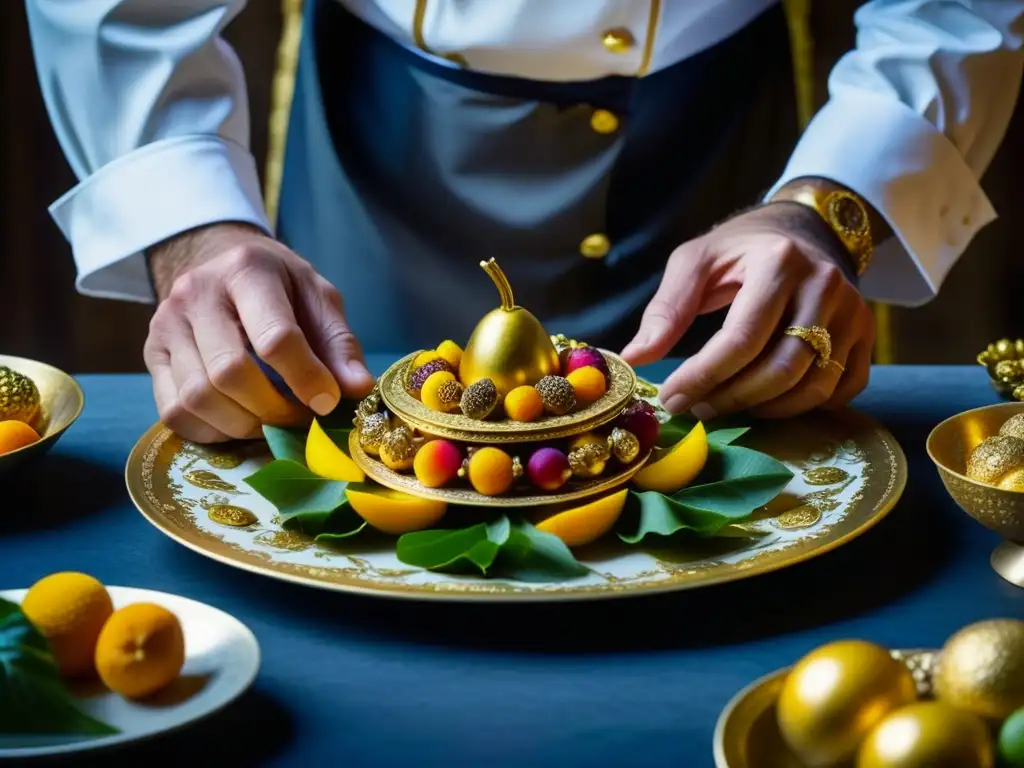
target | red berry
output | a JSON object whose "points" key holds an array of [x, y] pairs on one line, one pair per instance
{"points": [[580, 357], [548, 469], [640, 418]]}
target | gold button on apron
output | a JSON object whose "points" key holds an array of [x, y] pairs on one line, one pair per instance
{"points": [[618, 40], [603, 121], [595, 246]]}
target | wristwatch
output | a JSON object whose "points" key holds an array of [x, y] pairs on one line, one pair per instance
{"points": [[844, 212]]}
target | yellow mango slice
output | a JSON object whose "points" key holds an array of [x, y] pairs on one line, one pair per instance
{"points": [[678, 467], [582, 525], [395, 512], [328, 460]]}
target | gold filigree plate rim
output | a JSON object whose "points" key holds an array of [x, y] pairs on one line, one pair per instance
{"points": [[750, 703], [148, 449], [33, 369], [461, 428], [376, 471], [945, 424]]}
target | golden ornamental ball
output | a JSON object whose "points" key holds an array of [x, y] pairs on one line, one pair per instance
{"points": [[994, 458], [981, 668], [19, 396], [835, 695], [928, 734], [1013, 427]]}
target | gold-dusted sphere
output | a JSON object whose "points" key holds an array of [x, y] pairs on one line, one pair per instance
{"points": [[994, 457], [1009, 370], [19, 397], [509, 345], [981, 668], [1013, 427], [835, 695], [928, 734]]}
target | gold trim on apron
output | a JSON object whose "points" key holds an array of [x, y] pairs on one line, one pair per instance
{"points": [[652, 30]]}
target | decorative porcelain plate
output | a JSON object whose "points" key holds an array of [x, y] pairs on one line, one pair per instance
{"points": [[848, 473], [221, 661], [747, 734]]}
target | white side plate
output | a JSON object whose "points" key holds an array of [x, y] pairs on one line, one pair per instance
{"points": [[221, 661]]}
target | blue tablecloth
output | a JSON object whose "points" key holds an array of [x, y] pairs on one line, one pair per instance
{"points": [[360, 681]]}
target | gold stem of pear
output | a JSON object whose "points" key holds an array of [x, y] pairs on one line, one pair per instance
{"points": [[501, 283]]}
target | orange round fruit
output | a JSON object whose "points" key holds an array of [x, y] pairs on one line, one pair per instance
{"points": [[15, 435], [588, 383], [140, 650], [491, 471], [451, 353], [69, 609], [524, 404], [437, 463]]}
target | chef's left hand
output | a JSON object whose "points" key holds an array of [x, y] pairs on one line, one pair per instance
{"points": [[778, 266]]}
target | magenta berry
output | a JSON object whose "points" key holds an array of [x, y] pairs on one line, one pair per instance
{"points": [[640, 419], [580, 357], [548, 469]]}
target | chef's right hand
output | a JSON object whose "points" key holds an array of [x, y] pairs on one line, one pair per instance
{"points": [[227, 289]]}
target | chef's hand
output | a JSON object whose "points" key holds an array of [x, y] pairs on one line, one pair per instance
{"points": [[777, 266], [226, 289]]}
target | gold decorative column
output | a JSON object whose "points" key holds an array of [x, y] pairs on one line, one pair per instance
{"points": [[801, 42], [282, 90]]}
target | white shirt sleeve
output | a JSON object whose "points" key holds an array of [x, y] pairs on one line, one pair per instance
{"points": [[149, 105], [915, 115]]}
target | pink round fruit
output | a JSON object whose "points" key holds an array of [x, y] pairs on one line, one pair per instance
{"points": [[640, 419], [581, 357], [437, 463], [548, 469]]}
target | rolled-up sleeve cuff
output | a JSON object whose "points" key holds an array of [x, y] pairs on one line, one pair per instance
{"points": [[147, 196], [911, 174]]}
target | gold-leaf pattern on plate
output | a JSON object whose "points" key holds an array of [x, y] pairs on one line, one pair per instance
{"points": [[867, 453]]}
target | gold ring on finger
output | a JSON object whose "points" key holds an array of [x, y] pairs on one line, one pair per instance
{"points": [[837, 364], [817, 338]]}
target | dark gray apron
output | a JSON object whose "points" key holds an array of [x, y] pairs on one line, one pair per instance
{"points": [[401, 175]]}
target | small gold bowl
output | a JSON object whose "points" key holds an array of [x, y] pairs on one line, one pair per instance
{"points": [[61, 403], [949, 445]]}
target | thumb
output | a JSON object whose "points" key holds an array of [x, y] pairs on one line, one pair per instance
{"points": [[671, 311], [329, 333]]}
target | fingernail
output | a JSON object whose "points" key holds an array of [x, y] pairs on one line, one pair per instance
{"points": [[703, 412], [323, 403], [357, 370], [676, 403]]}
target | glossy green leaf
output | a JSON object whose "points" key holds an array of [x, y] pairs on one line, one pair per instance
{"points": [[287, 444], [535, 556], [652, 513], [461, 550], [295, 491], [727, 436], [735, 481], [33, 699]]}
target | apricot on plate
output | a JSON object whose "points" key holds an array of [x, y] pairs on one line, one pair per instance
{"points": [[437, 463], [16, 434], [395, 512], [140, 650], [677, 467], [326, 459], [588, 523]]}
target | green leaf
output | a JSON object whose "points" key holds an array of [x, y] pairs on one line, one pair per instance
{"points": [[727, 436], [675, 429], [737, 481], [33, 699], [286, 444], [295, 490], [459, 550], [660, 515], [534, 556]]}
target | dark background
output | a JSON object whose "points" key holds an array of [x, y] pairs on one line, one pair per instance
{"points": [[41, 315]]}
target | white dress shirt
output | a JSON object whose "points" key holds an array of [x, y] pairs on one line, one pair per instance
{"points": [[149, 105]]}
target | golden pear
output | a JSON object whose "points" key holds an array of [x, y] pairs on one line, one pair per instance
{"points": [[509, 346]]}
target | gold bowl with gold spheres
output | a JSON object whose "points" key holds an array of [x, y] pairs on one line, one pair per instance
{"points": [[61, 401], [999, 509]]}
